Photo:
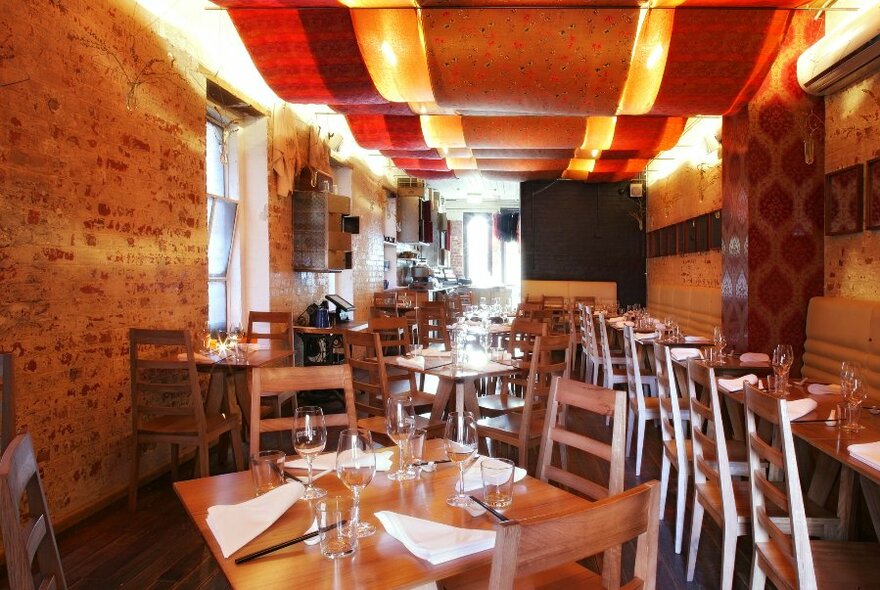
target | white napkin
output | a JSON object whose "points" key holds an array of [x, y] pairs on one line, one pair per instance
{"points": [[328, 461], [822, 389], [695, 339], [660, 325], [198, 357], [616, 319], [234, 525], [739, 383], [416, 362], [433, 541], [800, 407], [754, 357], [473, 476], [649, 336], [867, 453], [681, 354], [619, 325], [433, 352]]}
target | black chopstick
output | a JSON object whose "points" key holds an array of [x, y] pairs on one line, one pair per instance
{"points": [[494, 512], [273, 548], [423, 463], [815, 421]]}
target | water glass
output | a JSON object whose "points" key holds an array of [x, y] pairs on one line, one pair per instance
{"points": [[416, 452], [781, 361], [400, 424], [336, 539], [497, 477], [267, 470]]}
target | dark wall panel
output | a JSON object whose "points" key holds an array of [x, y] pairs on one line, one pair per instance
{"points": [[575, 231]]}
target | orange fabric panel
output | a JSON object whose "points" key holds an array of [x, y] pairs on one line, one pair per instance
{"points": [[523, 132]]}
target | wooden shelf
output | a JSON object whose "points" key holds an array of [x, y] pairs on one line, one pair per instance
{"points": [[320, 240]]}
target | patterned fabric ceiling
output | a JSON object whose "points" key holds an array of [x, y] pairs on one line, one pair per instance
{"points": [[585, 89]]}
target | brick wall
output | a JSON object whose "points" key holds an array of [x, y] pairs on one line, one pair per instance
{"points": [[368, 200], [456, 246], [103, 226]]}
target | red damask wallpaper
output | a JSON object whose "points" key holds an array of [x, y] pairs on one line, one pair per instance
{"points": [[772, 252]]}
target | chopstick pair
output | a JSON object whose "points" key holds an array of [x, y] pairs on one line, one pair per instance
{"points": [[489, 509], [294, 541]]}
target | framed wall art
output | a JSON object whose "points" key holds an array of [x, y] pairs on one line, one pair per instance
{"points": [[872, 195], [843, 201]]}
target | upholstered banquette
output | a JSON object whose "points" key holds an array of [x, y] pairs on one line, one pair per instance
{"points": [[696, 309], [602, 291]]}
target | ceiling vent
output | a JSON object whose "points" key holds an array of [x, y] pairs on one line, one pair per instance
{"points": [[844, 56]]}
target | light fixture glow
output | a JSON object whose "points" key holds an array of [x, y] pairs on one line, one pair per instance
{"points": [[443, 131], [648, 62]]}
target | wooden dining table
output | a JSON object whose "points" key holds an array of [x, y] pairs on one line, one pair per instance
{"points": [[381, 562]]}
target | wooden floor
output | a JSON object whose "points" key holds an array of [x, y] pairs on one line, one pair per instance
{"points": [[157, 547]]}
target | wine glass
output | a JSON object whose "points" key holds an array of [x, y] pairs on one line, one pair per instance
{"points": [[400, 423], [355, 467], [460, 438], [854, 393], [233, 340], [309, 440], [783, 357], [720, 342]]}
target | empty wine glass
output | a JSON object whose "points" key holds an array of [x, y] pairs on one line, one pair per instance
{"points": [[355, 467], [400, 423], [309, 440], [719, 340], [460, 438], [783, 357], [234, 339]]}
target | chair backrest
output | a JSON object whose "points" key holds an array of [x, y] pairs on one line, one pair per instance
{"points": [[270, 381], [363, 352], [634, 384], [525, 548], [159, 381], [568, 393], [521, 338], [711, 462], [552, 302], [432, 323], [32, 538], [606, 347], [274, 326], [584, 299], [589, 336], [549, 360], [7, 404], [671, 424], [385, 300], [465, 297], [527, 308], [764, 456], [394, 332]]}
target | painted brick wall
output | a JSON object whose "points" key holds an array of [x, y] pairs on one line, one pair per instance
{"points": [[456, 246], [103, 226], [369, 199]]}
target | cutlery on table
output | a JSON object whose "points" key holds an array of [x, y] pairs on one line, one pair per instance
{"points": [[294, 541], [489, 509]]}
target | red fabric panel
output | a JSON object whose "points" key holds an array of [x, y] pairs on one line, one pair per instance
{"points": [[713, 56], [419, 164], [523, 154], [308, 56], [644, 133], [432, 174], [520, 176], [387, 132], [421, 154]]}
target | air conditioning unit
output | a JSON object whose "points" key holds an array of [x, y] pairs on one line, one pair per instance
{"points": [[846, 55]]}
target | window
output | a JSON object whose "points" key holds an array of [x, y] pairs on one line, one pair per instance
{"points": [[478, 248], [222, 201]]}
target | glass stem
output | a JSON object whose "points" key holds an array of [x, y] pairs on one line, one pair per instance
{"points": [[402, 445], [461, 479], [309, 463], [356, 508]]}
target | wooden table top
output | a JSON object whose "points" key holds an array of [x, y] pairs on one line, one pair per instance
{"points": [[443, 368], [732, 366], [381, 561], [254, 358]]}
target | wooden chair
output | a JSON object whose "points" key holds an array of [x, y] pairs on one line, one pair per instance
{"points": [[677, 451], [7, 404], [394, 333], [613, 364], [565, 394], [715, 492], [552, 302], [527, 308], [167, 405], [386, 301], [791, 559], [277, 328], [31, 539], [271, 380], [465, 297], [432, 322], [641, 407], [520, 344], [540, 552], [523, 430]]}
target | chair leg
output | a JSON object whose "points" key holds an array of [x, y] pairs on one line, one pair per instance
{"points": [[630, 426], [202, 459], [680, 502], [175, 461], [728, 555], [134, 476], [237, 455], [759, 578], [640, 445], [664, 483], [696, 528]]}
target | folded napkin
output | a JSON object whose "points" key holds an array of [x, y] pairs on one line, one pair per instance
{"points": [[822, 389], [800, 407], [435, 352], [615, 319], [739, 383], [328, 461], [416, 362], [754, 357], [695, 339], [867, 453], [660, 325], [646, 336], [234, 525], [473, 476], [199, 357], [619, 325], [680, 354], [433, 541]]}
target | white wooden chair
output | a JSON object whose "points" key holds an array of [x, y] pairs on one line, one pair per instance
{"points": [[613, 365], [641, 407]]}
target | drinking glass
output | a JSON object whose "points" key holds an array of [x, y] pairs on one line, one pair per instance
{"points": [[849, 370], [720, 342], [854, 393], [460, 438], [400, 423], [783, 357], [416, 451], [233, 340], [309, 440], [355, 467]]}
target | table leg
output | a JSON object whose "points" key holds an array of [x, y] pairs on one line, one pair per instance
{"points": [[871, 491], [822, 482], [468, 392]]}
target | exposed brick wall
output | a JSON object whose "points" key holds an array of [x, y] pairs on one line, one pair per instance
{"points": [[369, 199], [456, 246], [103, 226]]}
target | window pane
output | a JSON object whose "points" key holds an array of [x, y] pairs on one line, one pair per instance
{"points": [[220, 230], [478, 250], [214, 149], [217, 304], [512, 263]]}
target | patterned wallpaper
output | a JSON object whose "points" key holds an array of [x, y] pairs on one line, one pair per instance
{"points": [[852, 136], [773, 215]]}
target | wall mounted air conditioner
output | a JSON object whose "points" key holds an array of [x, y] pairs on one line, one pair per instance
{"points": [[846, 55]]}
